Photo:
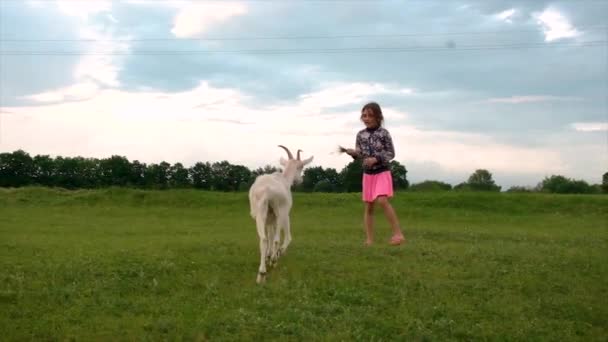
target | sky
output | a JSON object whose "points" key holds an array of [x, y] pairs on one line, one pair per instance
{"points": [[515, 87]]}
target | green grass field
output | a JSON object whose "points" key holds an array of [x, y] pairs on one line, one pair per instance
{"points": [[181, 265]]}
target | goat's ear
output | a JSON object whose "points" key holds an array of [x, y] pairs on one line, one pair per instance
{"points": [[307, 161], [283, 161]]}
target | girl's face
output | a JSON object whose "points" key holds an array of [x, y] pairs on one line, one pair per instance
{"points": [[368, 118]]}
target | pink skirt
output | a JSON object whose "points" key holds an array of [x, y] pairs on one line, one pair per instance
{"points": [[377, 185]]}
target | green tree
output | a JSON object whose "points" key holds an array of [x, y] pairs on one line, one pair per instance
{"points": [[267, 169], [238, 175], [228, 177], [179, 177], [555, 184], [16, 169], [596, 189], [323, 185], [77, 172], [88, 172], [115, 171], [157, 175], [580, 187], [351, 176], [329, 178], [220, 176], [464, 186], [138, 174], [605, 183], [44, 170], [559, 184], [312, 176], [399, 173], [201, 175], [333, 178], [481, 180]]}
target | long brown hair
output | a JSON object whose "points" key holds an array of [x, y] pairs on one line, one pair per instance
{"points": [[375, 108]]}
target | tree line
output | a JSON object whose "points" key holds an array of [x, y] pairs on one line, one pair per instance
{"points": [[481, 180], [18, 169]]}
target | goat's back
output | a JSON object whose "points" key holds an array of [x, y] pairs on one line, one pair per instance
{"points": [[269, 190]]}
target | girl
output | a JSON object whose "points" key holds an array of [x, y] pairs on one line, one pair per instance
{"points": [[374, 146]]}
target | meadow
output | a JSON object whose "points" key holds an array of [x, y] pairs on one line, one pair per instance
{"points": [[180, 265]]}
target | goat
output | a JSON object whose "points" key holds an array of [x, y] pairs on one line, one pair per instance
{"points": [[270, 202]]}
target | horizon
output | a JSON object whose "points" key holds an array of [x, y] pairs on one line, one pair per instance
{"points": [[261, 169]]}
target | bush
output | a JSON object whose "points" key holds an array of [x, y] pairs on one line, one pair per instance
{"points": [[431, 185], [323, 186], [559, 184], [519, 189]]}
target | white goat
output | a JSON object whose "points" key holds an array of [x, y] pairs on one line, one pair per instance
{"points": [[270, 203]]}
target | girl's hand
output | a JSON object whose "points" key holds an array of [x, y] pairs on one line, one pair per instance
{"points": [[370, 161]]}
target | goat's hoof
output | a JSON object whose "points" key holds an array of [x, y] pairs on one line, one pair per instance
{"points": [[261, 279]]}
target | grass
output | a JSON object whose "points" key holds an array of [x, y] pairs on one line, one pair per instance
{"points": [[123, 264]]}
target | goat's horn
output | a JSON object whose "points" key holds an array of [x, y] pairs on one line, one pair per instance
{"points": [[299, 154], [287, 150]]}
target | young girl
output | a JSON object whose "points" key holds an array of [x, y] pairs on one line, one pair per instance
{"points": [[374, 146]]}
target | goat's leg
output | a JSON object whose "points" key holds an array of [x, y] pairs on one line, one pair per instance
{"points": [[276, 239], [271, 227], [260, 224], [287, 233], [273, 247]]}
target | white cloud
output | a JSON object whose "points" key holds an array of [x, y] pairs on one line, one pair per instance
{"points": [[531, 99], [213, 124], [75, 92], [34, 3], [98, 68], [84, 9], [103, 67], [112, 18], [78, 9], [164, 3], [555, 25], [196, 18], [340, 94], [97, 63], [506, 16], [590, 126], [462, 153]]}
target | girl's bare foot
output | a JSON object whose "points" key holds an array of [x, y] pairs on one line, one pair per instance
{"points": [[397, 239]]}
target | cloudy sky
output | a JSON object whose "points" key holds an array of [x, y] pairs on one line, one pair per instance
{"points": [[516, 87]]}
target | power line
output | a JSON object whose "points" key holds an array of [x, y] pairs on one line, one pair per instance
{"points": [[228, 1], [305, 51], [311, 37]]}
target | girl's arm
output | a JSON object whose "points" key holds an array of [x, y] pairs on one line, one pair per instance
{"points": [[357, 152], [388, 153]]}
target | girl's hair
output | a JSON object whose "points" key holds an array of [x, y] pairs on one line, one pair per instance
{"points": [[375, 108]]}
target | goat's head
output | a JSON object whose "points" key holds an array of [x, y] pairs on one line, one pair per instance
{"points": [[294, 165]]}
